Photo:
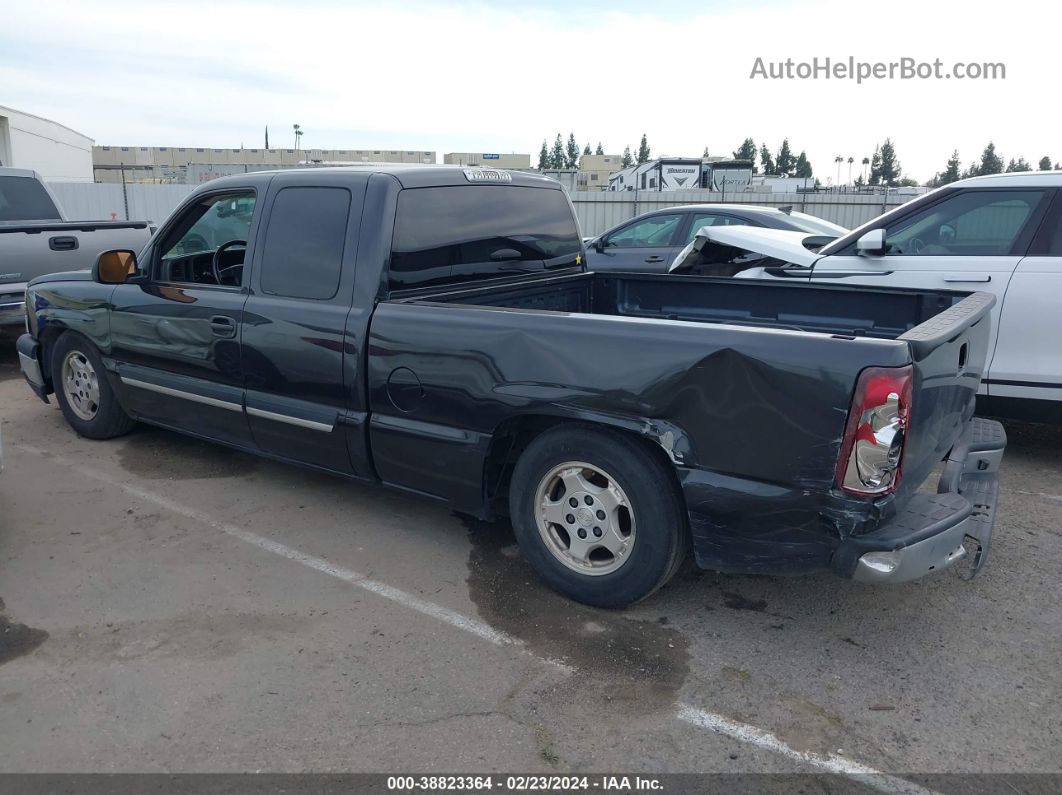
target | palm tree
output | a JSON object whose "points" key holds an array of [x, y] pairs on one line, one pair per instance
{"points": [[838, 160], [851, 160], [298, 135], [866, 162]]}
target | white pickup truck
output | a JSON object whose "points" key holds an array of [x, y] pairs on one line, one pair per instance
{"points": [[36, 239], [1000, 234]]}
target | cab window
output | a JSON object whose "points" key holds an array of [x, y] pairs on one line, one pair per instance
{"points": [[208, 243], [712, 219], [460, 233], [655, 231], [972, 223]]}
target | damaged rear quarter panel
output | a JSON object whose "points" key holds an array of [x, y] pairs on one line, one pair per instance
{"points": [[751, 418]]}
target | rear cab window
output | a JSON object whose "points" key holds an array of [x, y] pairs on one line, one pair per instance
{"points": [[453, 234], [25, 199]]}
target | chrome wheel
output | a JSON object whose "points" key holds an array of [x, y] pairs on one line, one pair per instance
{"points": [[81, 385], [584, 518]]}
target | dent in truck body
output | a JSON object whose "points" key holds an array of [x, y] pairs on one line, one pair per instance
{"points": [[753, 436]]}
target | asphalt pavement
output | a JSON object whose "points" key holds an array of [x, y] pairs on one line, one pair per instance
{"points": [[171, 605]]}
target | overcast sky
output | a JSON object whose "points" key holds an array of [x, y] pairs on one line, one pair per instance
{"points": [[501, 76]]}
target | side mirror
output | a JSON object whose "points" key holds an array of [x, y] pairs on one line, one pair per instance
{"points": [[599, 244], [872, 242], [114, 267]]}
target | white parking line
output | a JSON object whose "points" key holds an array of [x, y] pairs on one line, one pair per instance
{"points": [[830, 763], [720, 724]]}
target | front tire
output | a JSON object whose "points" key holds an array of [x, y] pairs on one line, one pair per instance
{"points": [[598, 515], [84, 394]]}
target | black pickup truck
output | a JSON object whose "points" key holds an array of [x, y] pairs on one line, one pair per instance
{"points": [[434, 330]]}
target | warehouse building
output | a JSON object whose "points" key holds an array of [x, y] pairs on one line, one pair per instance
{"points": [[52, 150], [594, 171], [488, 159], [171, 163]]}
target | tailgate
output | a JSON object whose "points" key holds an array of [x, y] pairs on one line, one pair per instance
{"points": [[35, 249], [949, 354]]}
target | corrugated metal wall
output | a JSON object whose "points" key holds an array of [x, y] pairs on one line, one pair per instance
{"points": [[597, 210], [88, 201], [155, 202]]}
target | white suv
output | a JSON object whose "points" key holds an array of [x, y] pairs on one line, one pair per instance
{"points": [[1000, 234]]}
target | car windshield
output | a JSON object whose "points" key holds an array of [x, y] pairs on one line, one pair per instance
{"points": [[802, 222]]}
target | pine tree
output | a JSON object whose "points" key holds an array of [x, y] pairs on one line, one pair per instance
{"points": [[747, 151], [600, 149], [556, 158], [767, 160], [1018, 165], [706, 152], [889, 171], [875, 166], [587, 150], [628, 161], [991, 163], [543, 157], [1045, 163], [785, 161], [802, 168], [951, 173], [571, 153], [643, 151]]}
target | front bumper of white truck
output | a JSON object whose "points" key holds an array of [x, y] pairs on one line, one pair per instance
{"points": [[13, 304]]}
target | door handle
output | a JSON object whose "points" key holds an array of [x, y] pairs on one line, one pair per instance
{"points": [[969, 279], [824, 274], [62, 243], [654, 258], [223, 326], [792, 272]]}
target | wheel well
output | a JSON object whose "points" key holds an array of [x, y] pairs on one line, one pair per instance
{"points": [[514, 434], [48, 337]]}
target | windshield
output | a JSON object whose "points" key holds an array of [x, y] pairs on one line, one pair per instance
{"points": [[802, 222], [25, 199]]}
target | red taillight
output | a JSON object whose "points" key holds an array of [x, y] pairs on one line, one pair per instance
{"points": [[871, 459]]}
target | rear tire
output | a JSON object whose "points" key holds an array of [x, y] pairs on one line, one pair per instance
{"points": [[84, 394], [598, 515]]}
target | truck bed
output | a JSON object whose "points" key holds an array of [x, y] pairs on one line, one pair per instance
{"points": [[830, 309], [746, 385]]}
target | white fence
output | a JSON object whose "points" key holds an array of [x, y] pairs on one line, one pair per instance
{"points": [[99, 201], [597, 210]]}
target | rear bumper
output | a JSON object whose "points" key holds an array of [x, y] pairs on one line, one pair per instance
{"points": [[12, 304], [936, 531]]}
